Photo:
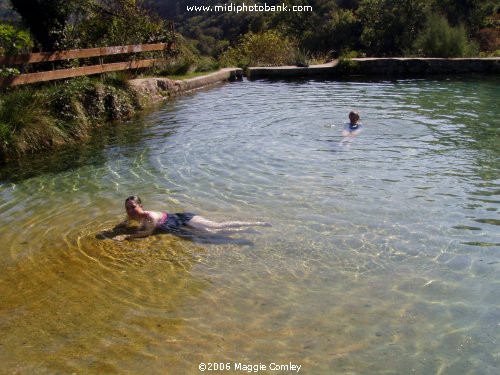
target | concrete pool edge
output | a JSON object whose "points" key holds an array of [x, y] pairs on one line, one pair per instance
{"points": [[381, 66], [154, 89]]}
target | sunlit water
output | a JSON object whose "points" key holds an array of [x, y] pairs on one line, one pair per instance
{"points": [[383, 256]]}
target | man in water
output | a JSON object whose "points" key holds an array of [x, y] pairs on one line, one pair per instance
{"points": [[151, 221]]}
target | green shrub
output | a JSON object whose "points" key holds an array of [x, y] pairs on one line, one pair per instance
{"points": [[183, 62], [390, 26], [302, 58], [206, 64], [346, 65], [439, 39], [234, 56], [263, 49], [341, 31], [14, 41]]}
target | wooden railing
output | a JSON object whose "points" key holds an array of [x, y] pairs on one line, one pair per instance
{"points": [[50, 75]]}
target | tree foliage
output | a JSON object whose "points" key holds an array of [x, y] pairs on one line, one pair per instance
{"points": [[439, 39], [390, 26], [113, 22], [46, 19], [263, 49], [372, 27], [62, 24], [14, 41]]}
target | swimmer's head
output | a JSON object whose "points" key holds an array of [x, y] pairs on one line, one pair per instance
{"points": [[353, 117], [132, 204]]}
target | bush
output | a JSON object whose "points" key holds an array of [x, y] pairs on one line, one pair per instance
{"points": [[14, 41], [346, 65], [390, 26], [341, 31], [263, 49], [439, 39], [183, 62], [206, 64]]}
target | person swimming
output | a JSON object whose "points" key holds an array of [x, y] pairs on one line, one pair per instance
{"points": [[351, 130], [151, 221], [353, 127]]}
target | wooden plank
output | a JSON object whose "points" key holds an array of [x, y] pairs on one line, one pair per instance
{"points": [[75, 72], [83, 53]]}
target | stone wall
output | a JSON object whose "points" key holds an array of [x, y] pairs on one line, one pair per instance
{"points": [[382, 67], [151, 90], [421, 66]]}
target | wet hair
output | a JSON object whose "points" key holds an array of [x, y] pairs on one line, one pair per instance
{"points": [[133, 198], [354, 114]]}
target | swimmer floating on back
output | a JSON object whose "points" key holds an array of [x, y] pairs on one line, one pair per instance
{"points": [[166, 222]]}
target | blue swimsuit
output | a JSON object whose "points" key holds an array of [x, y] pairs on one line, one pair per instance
{"points": [[354, 127]]}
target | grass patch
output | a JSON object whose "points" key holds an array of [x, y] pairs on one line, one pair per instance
{"points": [[35, 118]]}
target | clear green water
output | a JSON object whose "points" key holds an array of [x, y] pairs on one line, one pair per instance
{"points": [[383, 256]]}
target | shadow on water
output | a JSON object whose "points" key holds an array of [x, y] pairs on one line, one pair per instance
{"points": [[192, 235]]}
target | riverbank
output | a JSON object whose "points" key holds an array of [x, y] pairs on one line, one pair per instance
{"points": [[41, 118], [381, 67]]}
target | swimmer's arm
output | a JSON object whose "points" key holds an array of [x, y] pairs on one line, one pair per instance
{"points": [[124, 223], [145, 230], [141, 233]]}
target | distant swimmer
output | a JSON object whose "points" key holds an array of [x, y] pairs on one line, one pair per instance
{"points": [[351, 130], [151, 221], [354, 127]]}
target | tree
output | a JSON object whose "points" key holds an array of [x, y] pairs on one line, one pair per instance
{"points": [[390, 26], [467, 12], [62, 24], [340, 32], [439, 39], [46, 19], [114, 22]]}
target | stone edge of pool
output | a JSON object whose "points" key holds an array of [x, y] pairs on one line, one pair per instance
{"points": [[390, 66], [156, 88]]}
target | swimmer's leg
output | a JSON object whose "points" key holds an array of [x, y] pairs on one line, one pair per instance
{"points": [[199, 222]]}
